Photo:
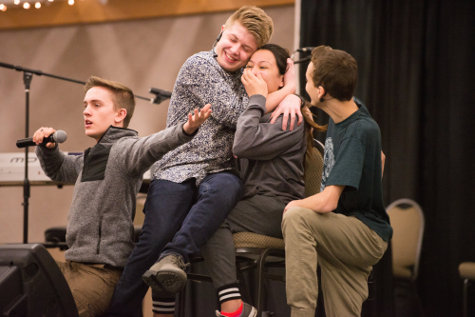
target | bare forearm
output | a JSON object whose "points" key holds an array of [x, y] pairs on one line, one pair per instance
{"points": [[323, 202], [276, 97]]}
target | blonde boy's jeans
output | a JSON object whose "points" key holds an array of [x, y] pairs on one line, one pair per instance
{"points": [[92, 286], [343, 247]]}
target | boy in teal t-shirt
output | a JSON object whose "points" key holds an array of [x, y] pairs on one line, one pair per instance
{"points": [[344, 229]]}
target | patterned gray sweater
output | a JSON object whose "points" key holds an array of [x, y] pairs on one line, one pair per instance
{"points": [[201, 81], [107, 178]]}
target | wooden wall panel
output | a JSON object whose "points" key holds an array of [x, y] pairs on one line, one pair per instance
{"points": [[92, 11], [141, 53]]}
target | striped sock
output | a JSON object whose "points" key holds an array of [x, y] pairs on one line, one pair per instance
{"points": [[228, 292], [163, 306]]}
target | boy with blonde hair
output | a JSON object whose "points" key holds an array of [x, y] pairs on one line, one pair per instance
{"points": [[195, 186]]}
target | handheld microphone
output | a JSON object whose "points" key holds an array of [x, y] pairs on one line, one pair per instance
{"points": [[58, 137]]}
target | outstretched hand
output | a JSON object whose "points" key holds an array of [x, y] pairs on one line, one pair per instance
{"points": [[42, 133], [196, 119]]}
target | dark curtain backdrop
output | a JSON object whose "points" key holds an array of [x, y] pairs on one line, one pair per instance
{"points": [[416, 77]]}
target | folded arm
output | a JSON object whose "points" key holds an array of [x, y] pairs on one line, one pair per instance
{"points": [[259, 140]]}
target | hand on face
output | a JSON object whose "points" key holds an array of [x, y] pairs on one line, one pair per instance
{"points": [[254, 83], [262, 67]]}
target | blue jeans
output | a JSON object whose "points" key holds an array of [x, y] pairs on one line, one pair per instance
{"points": [[179, 218]]}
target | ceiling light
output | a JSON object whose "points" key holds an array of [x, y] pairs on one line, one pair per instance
{"points": [[38, 4]]}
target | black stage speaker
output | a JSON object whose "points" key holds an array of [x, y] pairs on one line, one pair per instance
{"points": [[31, 283]]}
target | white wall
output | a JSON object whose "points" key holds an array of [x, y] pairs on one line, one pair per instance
{"points": [[141, 54]]}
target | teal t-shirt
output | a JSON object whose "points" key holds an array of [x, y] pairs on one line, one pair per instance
{"points": [[353, 159]]}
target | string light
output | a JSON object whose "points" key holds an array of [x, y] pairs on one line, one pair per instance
{"points": [[28, 3]]}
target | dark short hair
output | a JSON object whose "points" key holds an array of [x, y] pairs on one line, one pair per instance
{"points": [[281, 54], [336, 71]]}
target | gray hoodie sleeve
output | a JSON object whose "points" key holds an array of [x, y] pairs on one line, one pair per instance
{"points": [[259, 140], [58, 166], [141, 153]]}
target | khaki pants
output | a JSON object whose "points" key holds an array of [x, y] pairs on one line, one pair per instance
{"points": [[92, 286], [343, 247]]}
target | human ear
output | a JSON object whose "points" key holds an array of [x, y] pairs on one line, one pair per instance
{"points": [[120, 115], [321, 93]]}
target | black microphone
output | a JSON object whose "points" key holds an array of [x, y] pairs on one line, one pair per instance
{"points": [[302, 50], [305, 49], [160, 95], [58, 137], [217, 39], [302, 60]]}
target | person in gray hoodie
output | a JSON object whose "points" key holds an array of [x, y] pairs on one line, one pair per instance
{"points": [[107, 178]]}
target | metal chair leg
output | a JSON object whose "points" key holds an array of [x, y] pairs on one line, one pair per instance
{"points": [[466, 282], [260, 285]]}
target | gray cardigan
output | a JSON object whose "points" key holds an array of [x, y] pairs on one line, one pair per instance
{"points": [[107, 178], [271, 160]]}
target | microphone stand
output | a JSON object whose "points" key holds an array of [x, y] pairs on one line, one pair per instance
{"points": [[27, 77], [160, 95]]}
